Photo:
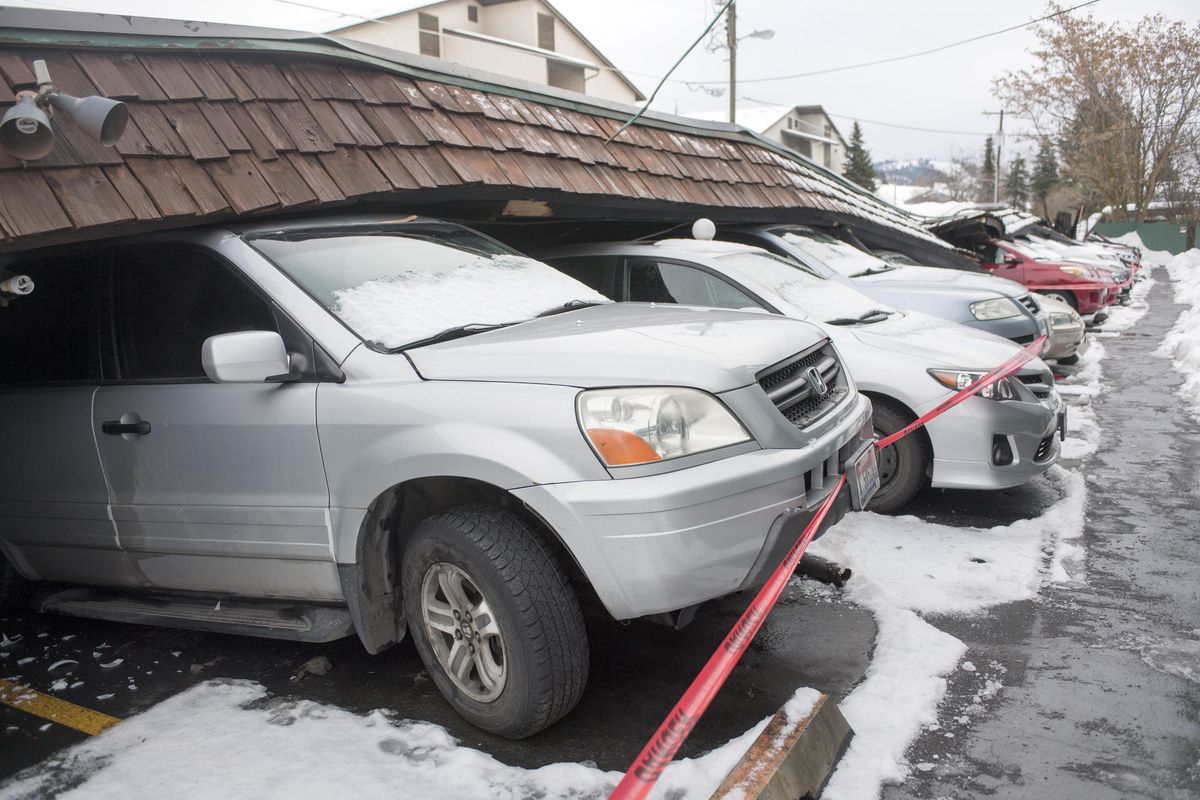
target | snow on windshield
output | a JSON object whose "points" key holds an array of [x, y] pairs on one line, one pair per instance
{"points": [[821, 299], [837, 255], [1031, 250], [392, 289]]}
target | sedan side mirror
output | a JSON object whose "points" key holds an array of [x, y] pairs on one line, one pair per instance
{"points": [[244, 357], [1010, 260]]}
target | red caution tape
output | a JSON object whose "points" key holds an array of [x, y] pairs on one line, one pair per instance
{"points": [[1020, 359], [662, 747]]}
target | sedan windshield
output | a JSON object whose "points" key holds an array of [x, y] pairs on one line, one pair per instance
{"points": [[817, 298], [398, 286], [834, 253]]}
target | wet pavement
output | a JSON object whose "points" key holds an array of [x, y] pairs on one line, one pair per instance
{"points": [[1075, 694], [1094, 703]]}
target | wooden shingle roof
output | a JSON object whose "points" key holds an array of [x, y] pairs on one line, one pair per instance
{"points": [[223, 130]]}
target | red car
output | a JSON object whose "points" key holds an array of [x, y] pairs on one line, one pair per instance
{"points": [[1081, 286]]}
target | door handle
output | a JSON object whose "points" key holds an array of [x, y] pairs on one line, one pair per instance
{"points": [[114, 427]]}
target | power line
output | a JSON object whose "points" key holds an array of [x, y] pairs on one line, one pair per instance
{"points": [[894, 59]]}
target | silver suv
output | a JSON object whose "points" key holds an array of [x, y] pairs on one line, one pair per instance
{"points": [[367, 424]]}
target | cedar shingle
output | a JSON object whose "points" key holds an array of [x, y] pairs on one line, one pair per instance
{"points": [[396, 126], [241, 183], [165, 187], [88, 197], [303, 129], [439, 95], [17, 70], [395, 172], [269, 125], [174, 78], [197, 135], [132, 193], [506, 108], [211, 84], [231, 79], [327, 82], [443, 129], [264, 79], [119, 76], [309, 168], [353, 172], [287, 183], [415, 98], [199, 185], [263, 150], [434, 163], [28, 206], [360, 130], [158, 135], [377, 87]]}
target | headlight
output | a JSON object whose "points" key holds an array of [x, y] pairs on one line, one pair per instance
{"points": [[1082, 272], [655, 423], [1060, 320], [997, 308], [958, 379]]}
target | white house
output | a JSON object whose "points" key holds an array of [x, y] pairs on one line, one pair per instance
{"points": [[525, 39], [806, 129]]}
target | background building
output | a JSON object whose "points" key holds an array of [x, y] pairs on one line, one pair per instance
{"points": [[806, 129]]}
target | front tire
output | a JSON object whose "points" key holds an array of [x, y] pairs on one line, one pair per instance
{"points": [[494, 620], [1066, 297], [904, 467]]}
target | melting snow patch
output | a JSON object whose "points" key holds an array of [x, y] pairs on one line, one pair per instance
{"points": [[227, 739]]}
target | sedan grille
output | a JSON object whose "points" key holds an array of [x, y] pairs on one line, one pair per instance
{"points": [[1040, 383], [1029, 302], [806, 386], [1045, 448]]}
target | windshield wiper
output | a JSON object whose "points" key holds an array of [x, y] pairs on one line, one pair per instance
{"points": [[457, 332], [568, 306], [872, 316]]}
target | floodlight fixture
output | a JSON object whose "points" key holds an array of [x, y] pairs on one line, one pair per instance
{"points": [[25, 130]]}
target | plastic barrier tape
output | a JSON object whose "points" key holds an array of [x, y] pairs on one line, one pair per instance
{"points": [[662, 747]]}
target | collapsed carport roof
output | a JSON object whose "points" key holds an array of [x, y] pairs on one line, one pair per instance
{"points": [[228, 121]]}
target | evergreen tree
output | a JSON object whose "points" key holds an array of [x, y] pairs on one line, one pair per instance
{"points": [[987, 173], [1045, 174], [858, 161], [1016, 183]]}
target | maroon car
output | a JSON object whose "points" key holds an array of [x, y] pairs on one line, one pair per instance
{"points": [[1083, 287]]}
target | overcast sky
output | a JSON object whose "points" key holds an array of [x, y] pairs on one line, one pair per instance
{"points": [[946, 91]]}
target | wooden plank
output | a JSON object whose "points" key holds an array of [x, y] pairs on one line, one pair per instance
{"points": [[793, 757], [439, 95], [158, 136], [174, 78], [376, 87], [506, 108], [399, 127], [286, 182], [249, 129], [232, 80], [17, 71], [241, 183], [361, 131], [353, 172], [415, 98], [436, 127], [463, 98], [264, 79], [29, 206], [88, 197], [310, 169], [421, 173], [198, 136], [200, 186], [216, 115], [119, 75], [132, 193], [326, 82], [391, 167], [434, 163], [486, 106], [164, 186], [207, 79], [269, 125], [302, 127]]}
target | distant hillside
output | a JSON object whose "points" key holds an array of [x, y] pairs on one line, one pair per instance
{"points": [[912, 172]]}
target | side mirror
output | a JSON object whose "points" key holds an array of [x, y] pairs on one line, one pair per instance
{"points": [[244, 357], [1010, 260]]}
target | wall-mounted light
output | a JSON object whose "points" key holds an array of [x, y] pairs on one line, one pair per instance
{"points": [[25, 131]]}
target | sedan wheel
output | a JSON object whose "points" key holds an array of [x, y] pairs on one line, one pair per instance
{"points": [[904, 467], [463, 632]]}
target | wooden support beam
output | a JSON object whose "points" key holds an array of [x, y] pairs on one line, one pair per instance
{"points": [[792, 758]]}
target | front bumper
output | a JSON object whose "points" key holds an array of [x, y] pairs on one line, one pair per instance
{"points": [[1066, 341], [664, 542], [963, 437]]}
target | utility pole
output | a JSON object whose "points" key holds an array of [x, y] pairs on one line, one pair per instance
{"points": [[999, 147], [731, 40]]}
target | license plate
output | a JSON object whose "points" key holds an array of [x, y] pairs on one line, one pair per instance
{"points": [[1062, 425], [864, 477]]}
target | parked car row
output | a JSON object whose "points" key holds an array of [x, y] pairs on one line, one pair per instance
{"points": [[377, 424]]}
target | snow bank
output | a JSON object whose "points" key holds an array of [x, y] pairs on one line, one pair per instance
{"points": [[1182, 344], [228, 739], [1150, 258], [904, 567]]}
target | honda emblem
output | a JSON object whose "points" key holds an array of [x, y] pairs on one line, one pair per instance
{"points": [[817, 382]]}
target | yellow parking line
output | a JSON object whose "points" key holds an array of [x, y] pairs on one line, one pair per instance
{"points": [[43, 705]]}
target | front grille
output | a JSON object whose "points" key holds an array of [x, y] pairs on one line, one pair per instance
{"points": [[1045, 448], [788, 386], [1041, 384], [1022, 339], [1029, 302]]}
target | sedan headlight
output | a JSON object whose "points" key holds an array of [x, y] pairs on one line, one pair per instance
{"points": [[958, 379], [655, 423], [996, 308], [1060, 320], [1082, 272]]}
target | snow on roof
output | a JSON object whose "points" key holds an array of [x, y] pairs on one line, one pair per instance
{"points": [[707, 247]]}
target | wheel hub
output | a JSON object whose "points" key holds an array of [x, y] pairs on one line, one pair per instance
{"points": [[463, 632]]}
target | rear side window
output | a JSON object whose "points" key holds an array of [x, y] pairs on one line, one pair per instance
{"points": [[167, 301], [52, 335], [649, 281], [593, 271]]}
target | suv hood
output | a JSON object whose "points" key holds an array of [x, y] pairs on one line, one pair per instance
{"points": [[917, 277], [935, 342], [623, 344]]}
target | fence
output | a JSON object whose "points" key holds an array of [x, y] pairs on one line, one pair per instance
{"points": [[1171, 236]]}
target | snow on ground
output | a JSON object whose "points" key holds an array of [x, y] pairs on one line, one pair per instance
{"points": [[228, 739], [1182, 344], [905, 567]]}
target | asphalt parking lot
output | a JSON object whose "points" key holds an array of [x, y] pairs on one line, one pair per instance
{"points": [[1095, 704]]}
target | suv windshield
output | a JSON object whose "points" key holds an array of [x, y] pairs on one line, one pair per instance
{"points": [[395, 286], [820, 299], [833, 253]]}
